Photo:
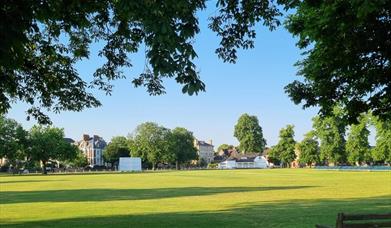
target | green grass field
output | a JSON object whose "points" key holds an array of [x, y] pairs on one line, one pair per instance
{"points": [[214, 198]]}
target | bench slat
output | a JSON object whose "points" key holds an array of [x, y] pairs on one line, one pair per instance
{"points": [[368, 225], [366, 216]]}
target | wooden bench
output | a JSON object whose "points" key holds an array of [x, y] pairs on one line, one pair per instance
{"points": [[361, 221]]}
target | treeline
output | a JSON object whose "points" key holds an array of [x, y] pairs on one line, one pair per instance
{"points": [[154, 144], [36, 148], [333, 142]]}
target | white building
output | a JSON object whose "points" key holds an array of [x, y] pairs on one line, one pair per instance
{"points": [[258, 162], [205, 150], [92, 148]]}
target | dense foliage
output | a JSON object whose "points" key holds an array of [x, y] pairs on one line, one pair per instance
{"points": [[13, 140], [249, 134], [346, 49], [330, 131], [42, 41], [357, 144], [79, 161], [118, 147], [382, 151], [347, 56], [156, 144], [47, 143], [150, 142], [284, 151], [181, 143], [309, 150]]}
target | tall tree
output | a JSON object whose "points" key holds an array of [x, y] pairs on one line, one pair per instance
{"points": [[285, 148], [274, 156], [346, 58], [309, 150], [382, 151], [331, 133], [42, 41], [118, 147], [47, 143], [150, 142], [357, 144], [249, 134], [13, 140], [182, 146]]}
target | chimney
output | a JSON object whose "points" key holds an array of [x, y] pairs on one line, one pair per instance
{"points": [[210, 141], [86, 137]]}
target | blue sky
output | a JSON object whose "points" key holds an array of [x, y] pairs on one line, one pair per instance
{"points": [[254, 85]]}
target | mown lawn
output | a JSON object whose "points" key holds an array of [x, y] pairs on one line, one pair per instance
{"points": [[215, 198]]}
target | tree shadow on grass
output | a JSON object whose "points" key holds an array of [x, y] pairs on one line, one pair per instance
{"points": [[298, 213], [82, 195]]}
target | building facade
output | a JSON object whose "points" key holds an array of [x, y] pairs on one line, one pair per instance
{"points": [[205, 150], [92, 148], [258, 162]]}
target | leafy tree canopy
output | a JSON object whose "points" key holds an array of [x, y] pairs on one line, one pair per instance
{"points": [[382, 151], [182, 146], [331, 132], [284, 151], [309, 150], [357, 144], [47, 143], [79, 161], [346, 49], [151, 142], [249, 134], [13, 140], [347, 56], [118, 147]]}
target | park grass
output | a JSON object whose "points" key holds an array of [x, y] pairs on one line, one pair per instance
{"points": [[209, 198]]}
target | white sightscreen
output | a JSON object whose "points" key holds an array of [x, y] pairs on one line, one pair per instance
{"points": [[129, 164]]}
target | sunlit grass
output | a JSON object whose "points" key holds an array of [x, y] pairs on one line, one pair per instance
{"points": [[214, 198]]}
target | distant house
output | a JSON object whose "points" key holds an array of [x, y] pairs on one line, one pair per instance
{"points": [[224, 154], [228, 152], [258, 162], [92, 148], [205, 150]]}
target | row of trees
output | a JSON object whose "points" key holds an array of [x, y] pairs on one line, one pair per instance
{"points": [[326, 143], [154, 144], [331, 141], [41, 144]]}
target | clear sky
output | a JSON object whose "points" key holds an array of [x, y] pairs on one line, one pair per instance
{"points": [[254, 85]]}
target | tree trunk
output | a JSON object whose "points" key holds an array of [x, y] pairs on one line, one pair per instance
{"points": [[177, 165], [153, 166], [44, 168]]}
